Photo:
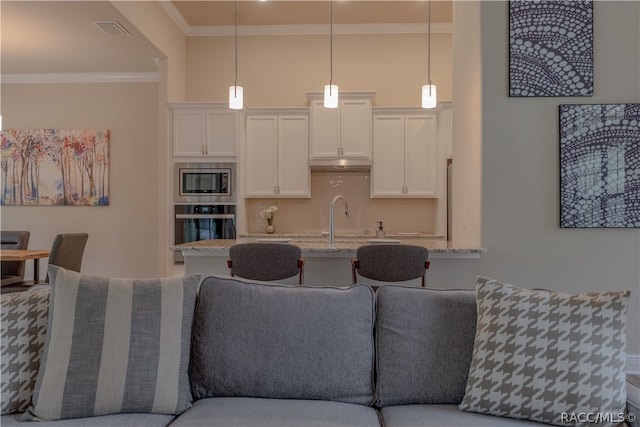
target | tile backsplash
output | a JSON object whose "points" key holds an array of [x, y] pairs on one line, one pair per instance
{"points": [[312, 215]]}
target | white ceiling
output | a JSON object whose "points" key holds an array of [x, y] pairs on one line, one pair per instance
{"points": [[45, 37]]}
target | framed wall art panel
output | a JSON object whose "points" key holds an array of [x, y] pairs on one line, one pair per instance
{"points": [[600, 166], [550, 48], [55, 167]]}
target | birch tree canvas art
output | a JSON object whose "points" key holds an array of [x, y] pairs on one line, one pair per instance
{"points": [[55, 167]]}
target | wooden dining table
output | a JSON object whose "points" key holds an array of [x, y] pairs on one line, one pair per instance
{"points": [[25, 254]]}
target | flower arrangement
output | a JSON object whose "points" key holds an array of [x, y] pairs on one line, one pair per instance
{"points": [[269, 214]]}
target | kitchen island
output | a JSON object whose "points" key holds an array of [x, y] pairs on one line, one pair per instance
{"points": [[325, 264]]}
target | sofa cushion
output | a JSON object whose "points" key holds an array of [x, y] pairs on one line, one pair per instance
{"points": [[117, 420], [280, 341], [424, 343], [248, 411], [23, 325], [115, 346], [434, 415], [547, 356]]}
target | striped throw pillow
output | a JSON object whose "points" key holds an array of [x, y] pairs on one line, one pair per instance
{"points": [[115, 346]]}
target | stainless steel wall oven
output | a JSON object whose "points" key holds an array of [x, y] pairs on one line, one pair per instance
{"points": [[203, 222]]}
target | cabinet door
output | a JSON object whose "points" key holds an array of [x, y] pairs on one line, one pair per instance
{"points": [[355, 129], [221, 134], [188, 133], [387, 173], [293, 156], [325, 131], [420, 156], [261, 164]]}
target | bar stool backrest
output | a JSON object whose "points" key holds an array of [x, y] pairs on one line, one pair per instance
{"points": [[265, 261], [391, 262]]}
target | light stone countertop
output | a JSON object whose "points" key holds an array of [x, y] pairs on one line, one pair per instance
{"points": [[344, 245]]}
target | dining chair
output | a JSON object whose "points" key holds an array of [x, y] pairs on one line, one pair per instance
{"points": [[13, 271], [66, 252], [266, 261], [391, 262]]}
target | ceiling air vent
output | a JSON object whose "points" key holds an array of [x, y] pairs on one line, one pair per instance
{"points": [[112, 28]]}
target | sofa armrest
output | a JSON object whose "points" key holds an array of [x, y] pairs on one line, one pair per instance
{"points": [[633, 400]]}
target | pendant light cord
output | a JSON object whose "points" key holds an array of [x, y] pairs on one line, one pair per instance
{"points": [[429, 47], [235, 77], [331, 50]]}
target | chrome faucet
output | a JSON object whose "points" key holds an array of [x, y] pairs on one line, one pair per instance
{"points": [[332, 227]]}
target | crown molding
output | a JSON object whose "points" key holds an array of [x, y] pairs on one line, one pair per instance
{"points": [[176, 16], [80, 78]]}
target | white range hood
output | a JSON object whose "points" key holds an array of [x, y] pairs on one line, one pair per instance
{"points": [[340, 165]]}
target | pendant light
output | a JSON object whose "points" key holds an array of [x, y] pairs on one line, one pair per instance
{"points": [[236, 101], [429, 90], [331, 90]]}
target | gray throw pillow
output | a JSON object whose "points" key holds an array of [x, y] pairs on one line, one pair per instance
{"points": [[548, 356], [115, 346], [23, 320], [284, 342]]}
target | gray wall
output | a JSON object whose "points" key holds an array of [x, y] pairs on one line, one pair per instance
{"points": [[520, 169]]}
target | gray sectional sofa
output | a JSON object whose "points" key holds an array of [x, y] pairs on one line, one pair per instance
{"points": [[264, 355]]}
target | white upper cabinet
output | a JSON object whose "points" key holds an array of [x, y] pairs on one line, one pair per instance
{"points": [[277, 155], [343, 132], [405, 155], [204, 130]]}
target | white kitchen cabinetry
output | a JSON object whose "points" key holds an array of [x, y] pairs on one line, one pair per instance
{"points": [[204, 130], [277, 155], [405, 155], [343, 132]]}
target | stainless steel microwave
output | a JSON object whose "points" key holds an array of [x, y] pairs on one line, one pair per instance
{"points": [[205, 182]]}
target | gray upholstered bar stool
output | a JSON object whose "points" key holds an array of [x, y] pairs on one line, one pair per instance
{"points": [[13, 271], [391, 262], [266, 261]]}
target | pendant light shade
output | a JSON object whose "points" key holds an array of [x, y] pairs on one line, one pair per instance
{"points": [[236, 101], [429, 96], [331, 96], [236, 98], [429, 99], [331, 90]]}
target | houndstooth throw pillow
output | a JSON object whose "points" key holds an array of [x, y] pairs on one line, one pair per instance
{"points": [[23, 326], [548, 356]]}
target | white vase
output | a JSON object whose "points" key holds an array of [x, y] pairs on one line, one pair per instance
{"points": [[270, 229]]}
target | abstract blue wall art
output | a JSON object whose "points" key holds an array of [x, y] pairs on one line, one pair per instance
{"points": [[550, 48], [600, 166]]}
